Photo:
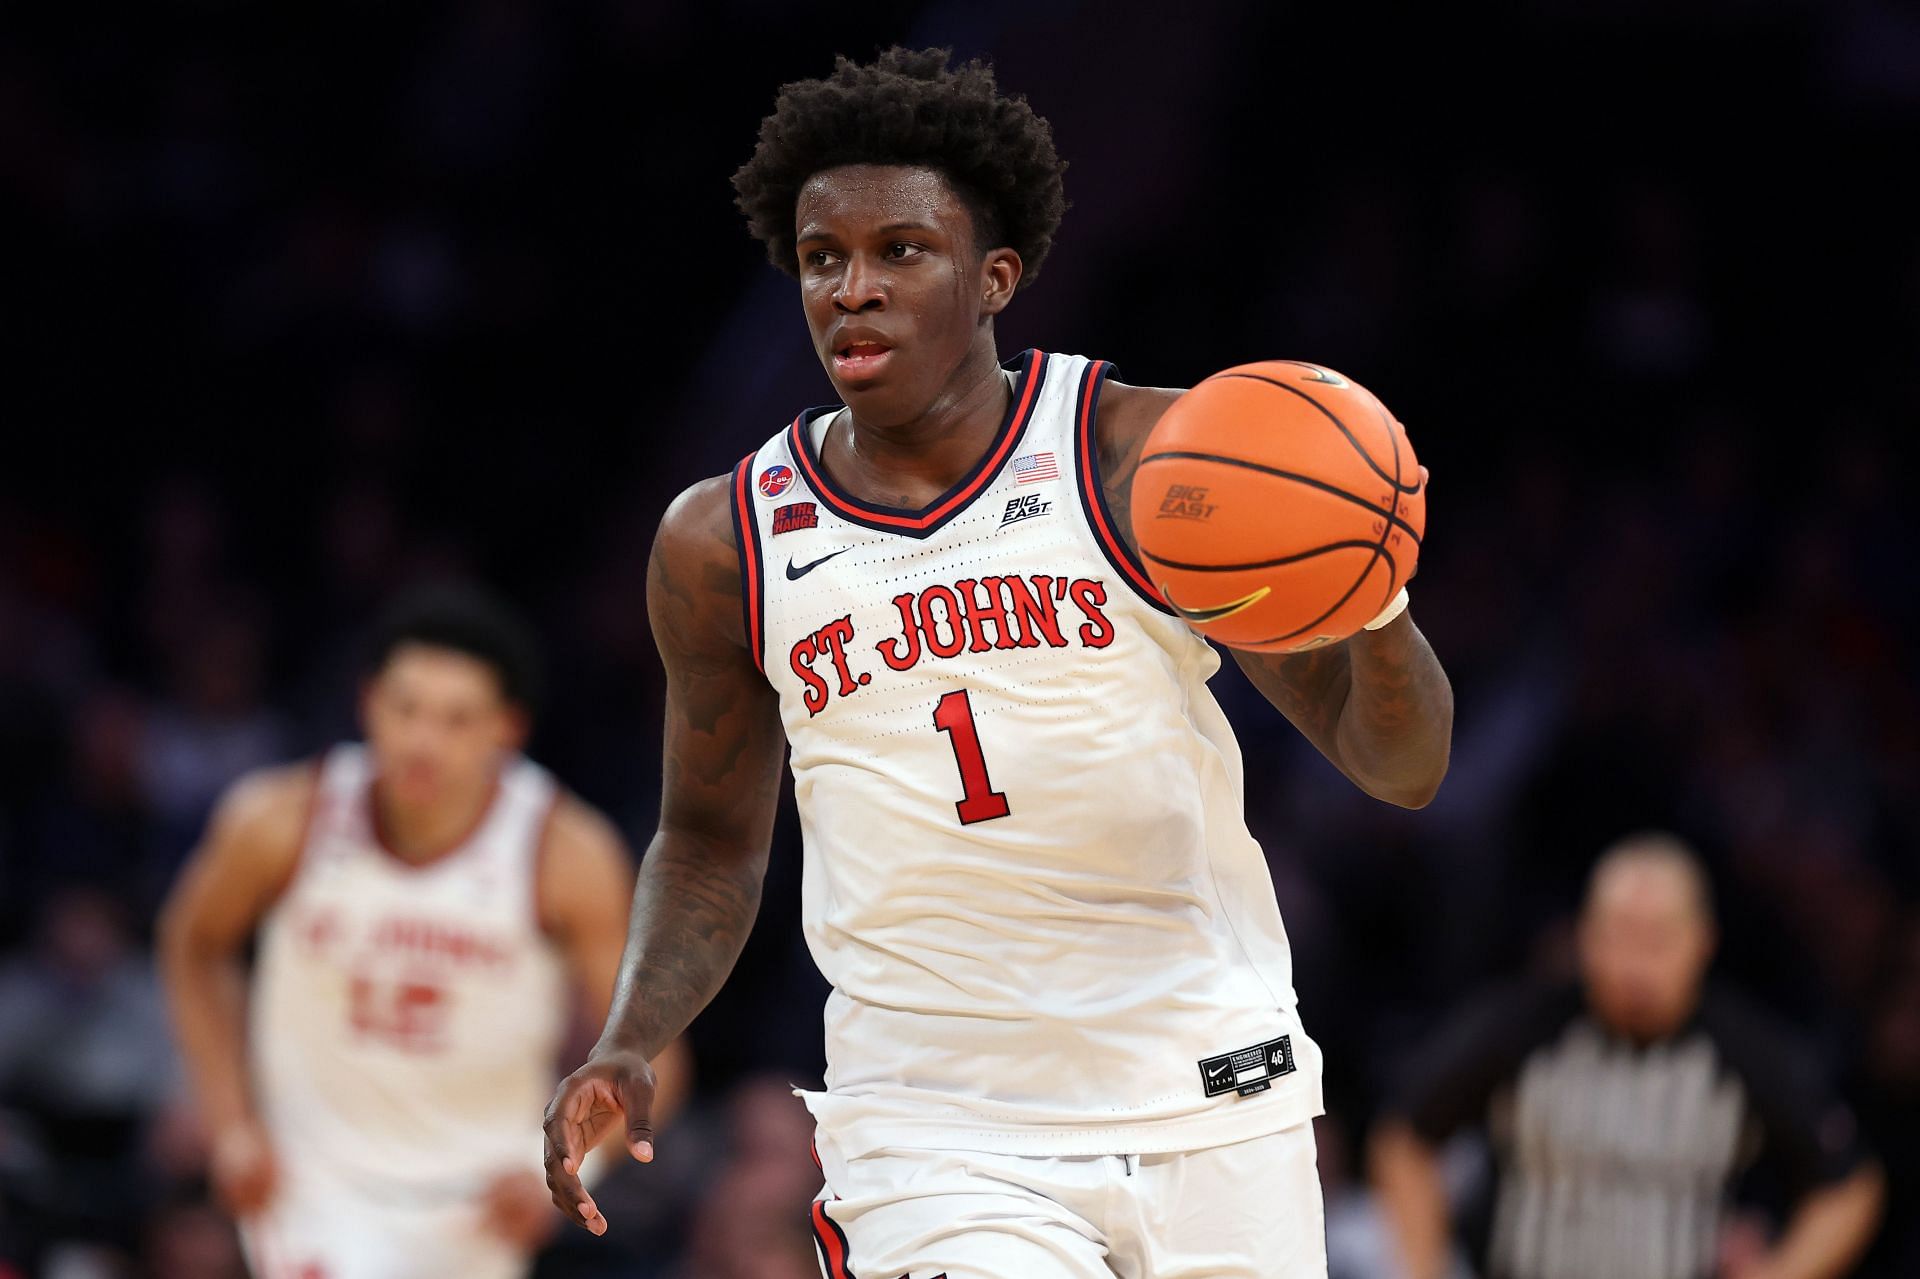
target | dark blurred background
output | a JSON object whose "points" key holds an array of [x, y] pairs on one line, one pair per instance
{"points": [[292, 316]]}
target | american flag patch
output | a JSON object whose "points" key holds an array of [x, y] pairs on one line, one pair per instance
{"points": [[1034, 467]]}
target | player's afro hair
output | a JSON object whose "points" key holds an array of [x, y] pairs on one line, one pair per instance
{"points": [[909, 107]]}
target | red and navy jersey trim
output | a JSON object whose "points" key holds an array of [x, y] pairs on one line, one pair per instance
{"points": [[931, 518], [831, 1240], [1093, 498], [746, 535]]}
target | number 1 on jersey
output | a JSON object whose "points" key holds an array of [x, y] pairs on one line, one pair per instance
{"points": [[954, 717]]}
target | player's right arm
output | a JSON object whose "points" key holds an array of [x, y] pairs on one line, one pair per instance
{"points": [[242, 864], [699, 882]]}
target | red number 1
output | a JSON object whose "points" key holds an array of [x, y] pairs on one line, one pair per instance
{"points": [[954, 715]]}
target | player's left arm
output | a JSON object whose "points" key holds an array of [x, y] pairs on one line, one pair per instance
{"points": [[586, 876], [1377, 705]]}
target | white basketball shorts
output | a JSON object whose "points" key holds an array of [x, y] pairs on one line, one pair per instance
{"points": [[320, 1224], [1250, 1210]]}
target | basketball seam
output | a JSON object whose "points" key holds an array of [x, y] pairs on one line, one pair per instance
{"points": [[1379, 553], [1393, 570], [1335, 608], [1338, 425], [1297, 478]]}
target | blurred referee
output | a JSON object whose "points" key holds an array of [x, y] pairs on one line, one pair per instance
{"points": [[1622, 1111]]}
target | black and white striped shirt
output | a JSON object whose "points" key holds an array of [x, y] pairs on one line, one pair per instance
{"points": [[1615, 1160]]}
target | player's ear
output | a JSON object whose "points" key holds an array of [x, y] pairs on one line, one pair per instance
{"points": [[1000, 271]]}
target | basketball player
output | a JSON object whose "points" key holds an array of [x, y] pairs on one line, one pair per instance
{"points": [[423, 904], [1062, 1036]]}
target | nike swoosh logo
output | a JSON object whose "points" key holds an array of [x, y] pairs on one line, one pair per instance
{"points": [[1218, 611], [1317, 374], [795, 574], [1215, 1074]]}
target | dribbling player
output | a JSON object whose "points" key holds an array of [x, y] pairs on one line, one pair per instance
{"points": [[428, 907], [1062, 1036]]}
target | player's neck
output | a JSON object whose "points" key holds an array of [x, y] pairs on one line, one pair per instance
{"points": [[911, 463], [423, 833]]}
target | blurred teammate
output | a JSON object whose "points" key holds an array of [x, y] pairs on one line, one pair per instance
{"points": [[1623, 1111], [429, 906], [1062, 1038]]}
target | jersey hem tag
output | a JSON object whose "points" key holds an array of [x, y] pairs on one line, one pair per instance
{"points": [[1248, 1070]]}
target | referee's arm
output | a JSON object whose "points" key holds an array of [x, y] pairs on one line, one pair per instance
{"points": [[1406, 1176], [1446, 1086], [1829, 1230], [1810, 1134]]}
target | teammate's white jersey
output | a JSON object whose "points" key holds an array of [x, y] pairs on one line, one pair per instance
{"points": [[406, 1018], [1028, 875]]}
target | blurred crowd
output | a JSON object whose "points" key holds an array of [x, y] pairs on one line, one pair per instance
{"points": [[302, 316]]}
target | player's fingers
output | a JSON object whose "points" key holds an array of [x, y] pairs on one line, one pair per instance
{"points": [[1425, 478], [636, 1098], [563, 1154], [569, 1196]]}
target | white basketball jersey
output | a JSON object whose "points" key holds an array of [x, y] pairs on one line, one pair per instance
{"points": [[406, 1017], [1028, 874]]}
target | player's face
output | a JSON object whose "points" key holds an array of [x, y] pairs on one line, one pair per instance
{"points": [[437, 724], [1644, 949], [895, 288]]}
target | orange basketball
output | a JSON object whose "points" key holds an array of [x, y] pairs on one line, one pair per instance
{"points": [[1278, 506]]}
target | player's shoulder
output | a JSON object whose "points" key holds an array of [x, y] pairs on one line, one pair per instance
{"points": [[268, 808], [578, 831], [582, 860], [701, 516], [1127, 413], [1754, 1039], [1510, 1018], [694, 575]]}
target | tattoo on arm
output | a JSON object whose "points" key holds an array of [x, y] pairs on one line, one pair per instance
{"points": [[699, 883], [689, 925], [1378, 706]]}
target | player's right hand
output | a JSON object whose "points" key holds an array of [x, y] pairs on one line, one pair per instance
{"points": [[242, 1168], [612, 1088]]}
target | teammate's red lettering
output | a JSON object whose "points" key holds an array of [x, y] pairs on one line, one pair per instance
{"points": [[408, 1015]]}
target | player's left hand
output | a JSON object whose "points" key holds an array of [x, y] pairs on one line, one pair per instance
{"points": [[614, 1088], [515, 1207]]}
